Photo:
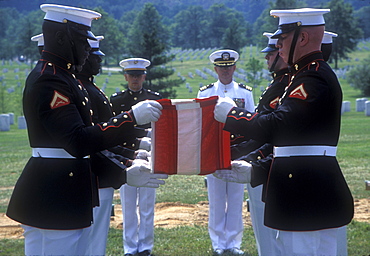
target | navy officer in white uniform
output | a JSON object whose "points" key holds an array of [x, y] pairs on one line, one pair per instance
{"points": [[225, 223]]}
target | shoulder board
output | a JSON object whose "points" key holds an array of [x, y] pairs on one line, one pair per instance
{"points": [[117, 93], [245, 87], [206, 87]]}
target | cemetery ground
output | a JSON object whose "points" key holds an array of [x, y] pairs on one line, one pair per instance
{"points": [[181, 211]]}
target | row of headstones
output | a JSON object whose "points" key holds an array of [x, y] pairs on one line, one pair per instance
{"points": [[362, 105], [6, 120]]}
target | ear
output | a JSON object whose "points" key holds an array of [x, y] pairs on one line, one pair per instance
{"points": [[59, 35], [304, 39]]}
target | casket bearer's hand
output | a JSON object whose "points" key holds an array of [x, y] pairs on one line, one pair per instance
{"points": [[147, 111], [222, 108], [145, 143], [142, 154], [139, 175], [239, 173]]}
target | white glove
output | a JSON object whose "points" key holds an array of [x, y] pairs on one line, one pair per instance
{"points": [[142, 154], [149, 134], [139, 175], [222, 108], [240, 172], [147, 111], [145, 143]]}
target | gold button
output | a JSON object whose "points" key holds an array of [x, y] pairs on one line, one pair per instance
{"points": [[83, 103], [259, 157], [92, 124], [86, 99], [232, 136], [135, 98], [233, 112], [105, 124], [249, 114], [124, 143], [296, 66], [79, 86], [122, 163], [133, 145], [241, 113], [125, 116], [290, 176], [70, 174], [115, 120], [50, 64], [105, 102], [91, 112]]}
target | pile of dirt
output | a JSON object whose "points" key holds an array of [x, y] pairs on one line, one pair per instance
{"points": [[170, 215]]}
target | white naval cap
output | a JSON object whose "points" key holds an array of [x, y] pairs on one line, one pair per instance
{"points": [[328, 37], [271, 45], [222, 58], [95, 46], [134, 66], [291, 19], [68, 14], [39, 39]]}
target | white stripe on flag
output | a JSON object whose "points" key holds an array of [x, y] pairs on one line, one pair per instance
{"points": [[189, 138]]}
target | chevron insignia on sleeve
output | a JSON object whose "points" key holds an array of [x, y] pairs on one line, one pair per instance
{"points": [[59, 100], [274, 102], [299, 93]]}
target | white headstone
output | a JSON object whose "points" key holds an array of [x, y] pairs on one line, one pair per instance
{"points": [[346, 105], [367, 108], [11, 118], [360, 104], [4, 122], [22, 122]]}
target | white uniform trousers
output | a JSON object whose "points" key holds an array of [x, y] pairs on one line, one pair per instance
{"points": [[310, 243], [55, 242], [265, 236], [138, 218], [99, 229], [225, 224]]}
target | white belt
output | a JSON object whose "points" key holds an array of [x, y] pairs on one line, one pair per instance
{"points": [[52, 153], [305, 151]]}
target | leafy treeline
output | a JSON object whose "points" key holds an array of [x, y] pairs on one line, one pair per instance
{"points": [[187, 23]]}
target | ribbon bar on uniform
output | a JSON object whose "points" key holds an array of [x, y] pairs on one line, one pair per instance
{"points": [[52, 153], [305, 151]]}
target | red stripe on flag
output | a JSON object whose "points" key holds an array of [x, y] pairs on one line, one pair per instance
{"points": [[165, 160]]}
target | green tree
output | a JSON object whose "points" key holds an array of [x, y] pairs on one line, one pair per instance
{"points": [[254, 74], [148, 39], [359, 77], [114, 41], [8, 18], [363, 19], [340, 20], [235, 36], [188, 30]]}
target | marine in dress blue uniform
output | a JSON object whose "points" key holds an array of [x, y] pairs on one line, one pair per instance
{"points": [[107, 164], [138, 225], [307, 197], [225, 225], [56, 192]]}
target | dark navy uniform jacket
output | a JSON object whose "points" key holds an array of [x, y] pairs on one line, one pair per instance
{"points": [[267, 103], [59, 193], [303, 193], [124, 100], [108, 165]]}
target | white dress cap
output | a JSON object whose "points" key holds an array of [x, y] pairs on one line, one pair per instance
{"points": [[328, 37], [222, 58], [61, 13], [271, 45], [306, 16], [39, 39], [95, 45], [134, 65]]}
